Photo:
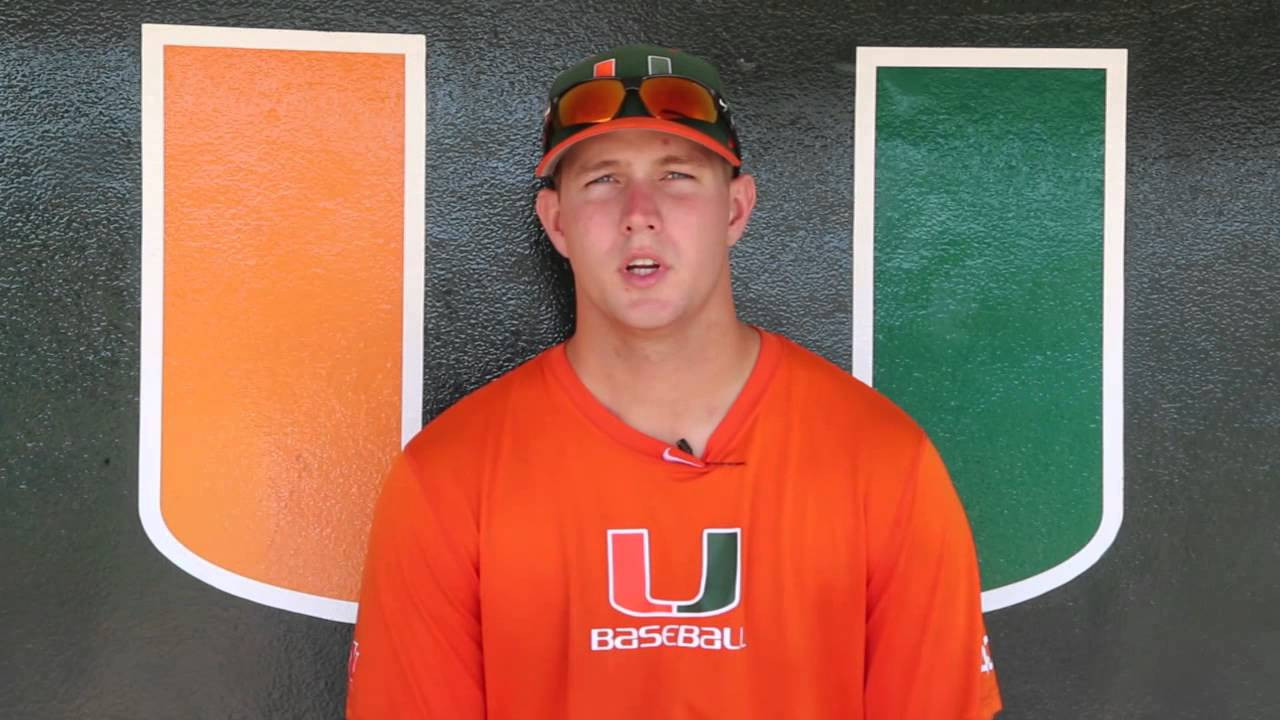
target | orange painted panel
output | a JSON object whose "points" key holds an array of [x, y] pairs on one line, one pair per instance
{"points": [[283, 302]]}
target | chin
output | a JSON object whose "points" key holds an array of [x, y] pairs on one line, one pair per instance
{"points": [[647, 318]]}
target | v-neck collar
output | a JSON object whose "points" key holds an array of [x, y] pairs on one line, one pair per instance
{"points": [[740, 412]]}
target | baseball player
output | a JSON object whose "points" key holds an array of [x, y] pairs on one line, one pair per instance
{"points": [[673, 514]]}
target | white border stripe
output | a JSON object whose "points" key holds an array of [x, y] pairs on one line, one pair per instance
{"points": [[154, 39], [1115, 63], [864, 215], [415, 229]]}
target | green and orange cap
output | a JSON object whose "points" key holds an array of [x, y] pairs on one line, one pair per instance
{"points": [[632, 64]]}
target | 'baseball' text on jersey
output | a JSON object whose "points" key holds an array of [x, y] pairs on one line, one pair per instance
{"points": [[651, 636]]}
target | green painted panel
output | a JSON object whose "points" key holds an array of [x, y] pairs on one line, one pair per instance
{"points": [[988, 294]]}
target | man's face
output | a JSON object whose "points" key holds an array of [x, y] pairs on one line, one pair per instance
{"points": [[646, 220]]}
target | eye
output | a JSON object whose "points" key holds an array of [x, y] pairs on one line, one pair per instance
{"points": [[676, 175], [602, 180]]}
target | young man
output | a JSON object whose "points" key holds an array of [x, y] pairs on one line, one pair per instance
{"points": [[673, 514]]}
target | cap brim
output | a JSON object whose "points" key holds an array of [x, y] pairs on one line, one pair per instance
{"points": [[548, 164]]}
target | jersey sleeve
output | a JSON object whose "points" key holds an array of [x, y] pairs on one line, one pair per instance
{"points": [[417, 652], [927, 653]]}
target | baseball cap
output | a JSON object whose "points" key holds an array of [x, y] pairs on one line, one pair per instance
{"points": [[638, 87]]}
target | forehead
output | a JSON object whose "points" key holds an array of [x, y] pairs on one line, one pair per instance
{"points": [[635, 147]]}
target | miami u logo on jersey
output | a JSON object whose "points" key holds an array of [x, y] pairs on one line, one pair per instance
{"points": [[630, 575]]}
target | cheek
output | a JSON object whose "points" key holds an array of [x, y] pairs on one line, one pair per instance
{"points": [[705, 225], [589, 236], [588, 217]]}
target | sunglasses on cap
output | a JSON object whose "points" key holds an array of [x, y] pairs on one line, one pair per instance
{"points": [[666, 97]]}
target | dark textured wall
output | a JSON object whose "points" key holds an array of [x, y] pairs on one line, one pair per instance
{"points": [[1181, 618]]}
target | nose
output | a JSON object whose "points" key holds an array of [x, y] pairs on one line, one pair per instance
{"points": [[641, 212]]}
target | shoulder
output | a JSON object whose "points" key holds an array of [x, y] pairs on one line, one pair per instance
{"points": [[472, 425], [829, 402], [825, 386]]}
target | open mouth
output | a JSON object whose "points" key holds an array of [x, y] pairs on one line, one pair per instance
{"points": [[643, 266]]}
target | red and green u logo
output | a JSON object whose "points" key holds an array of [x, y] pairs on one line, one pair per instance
{"points": [[630, 575]]}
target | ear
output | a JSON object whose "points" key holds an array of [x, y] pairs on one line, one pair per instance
{"points": [[742, 200], [548, 207]]}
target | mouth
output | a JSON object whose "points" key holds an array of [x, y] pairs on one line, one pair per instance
{"points": [[643, 266]]}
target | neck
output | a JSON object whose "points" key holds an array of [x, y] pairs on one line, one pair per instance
{"points": [[671, 383]]}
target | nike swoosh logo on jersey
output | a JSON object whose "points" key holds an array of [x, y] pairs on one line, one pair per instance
{"points": [[671, 457]]}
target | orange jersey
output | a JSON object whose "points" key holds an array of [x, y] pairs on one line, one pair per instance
{"points": [[534, 557]]}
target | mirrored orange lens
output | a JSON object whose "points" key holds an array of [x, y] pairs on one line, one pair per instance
{"points": [[673, 98], [594, 101]]}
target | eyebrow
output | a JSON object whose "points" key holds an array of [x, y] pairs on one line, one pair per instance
{"points": [[611, 164], [598, 166], [682, 160]]}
